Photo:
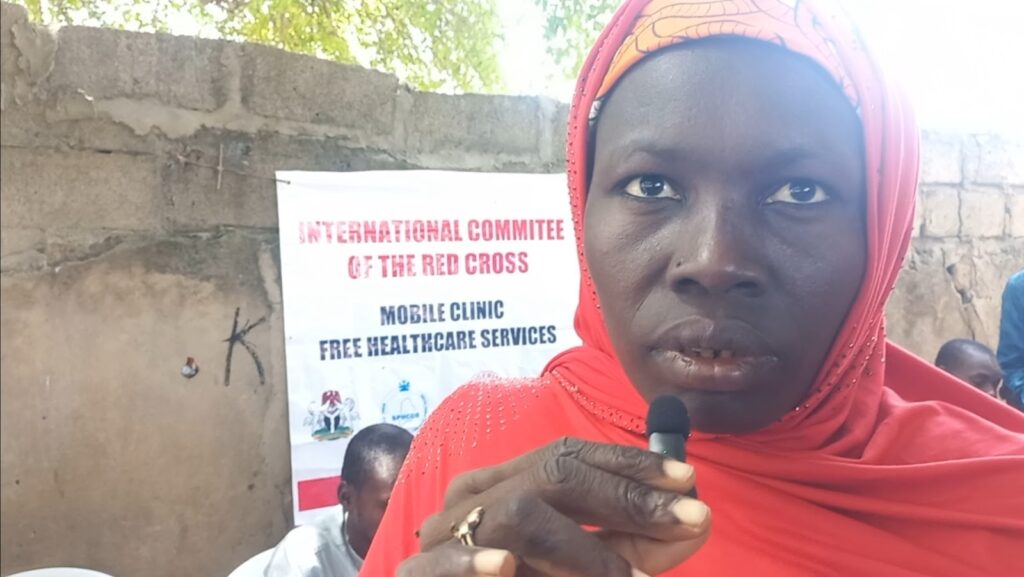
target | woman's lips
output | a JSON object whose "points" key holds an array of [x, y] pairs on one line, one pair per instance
{"points": [[718, 374], [713, 355]]}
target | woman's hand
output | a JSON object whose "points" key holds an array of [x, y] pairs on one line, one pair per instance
{"points": [[533, 507]]}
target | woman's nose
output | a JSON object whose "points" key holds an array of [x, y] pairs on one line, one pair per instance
{"points": [[716, 255]]}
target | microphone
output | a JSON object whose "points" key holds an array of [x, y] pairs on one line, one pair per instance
{"points": [[668, 427]]}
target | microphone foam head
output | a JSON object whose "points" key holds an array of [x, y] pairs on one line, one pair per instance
{"points": [[668, 414]]}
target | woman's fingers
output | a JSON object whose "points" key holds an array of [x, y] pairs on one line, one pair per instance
{"points": [[534, 506], [545, 541], [548, 542], [456, 560], [594, 497], [652, 555], [630, 462], [587, 495], [552, 544]]}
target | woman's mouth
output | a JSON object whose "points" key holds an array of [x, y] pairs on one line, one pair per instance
{"points": [[717, 356], [716, 371], [704, 353]]}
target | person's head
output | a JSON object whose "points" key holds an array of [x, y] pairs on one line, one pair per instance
{"points": [[726, 220], [372, 461], [971, 362]]}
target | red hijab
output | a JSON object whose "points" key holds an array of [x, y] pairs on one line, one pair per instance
{"points": [[888, 467]]}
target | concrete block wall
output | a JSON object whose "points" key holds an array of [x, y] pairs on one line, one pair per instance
{"points": [[968, 240], [125, 250]]}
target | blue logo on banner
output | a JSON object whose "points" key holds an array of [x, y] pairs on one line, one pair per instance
{"points": [[405, 408]]}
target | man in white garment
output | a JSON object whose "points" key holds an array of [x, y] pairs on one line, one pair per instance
{"points": [[335, 544]]}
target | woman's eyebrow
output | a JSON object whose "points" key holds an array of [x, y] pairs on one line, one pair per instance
{"points": [[630, 148], [793, 156], [787, 156], [764, 160]]}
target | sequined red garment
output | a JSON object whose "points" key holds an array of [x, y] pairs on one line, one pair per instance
{"points": [[888, 467]]}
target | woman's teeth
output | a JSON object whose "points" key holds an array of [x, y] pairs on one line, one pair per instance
{"points": [[710, 353]]}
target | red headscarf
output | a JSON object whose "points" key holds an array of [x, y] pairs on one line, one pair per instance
{"points": [[888, 467]]}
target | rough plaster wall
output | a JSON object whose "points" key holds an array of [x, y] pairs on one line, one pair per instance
{"points": [[110, 459], [969, 239], [123, 253], [122, 256]]}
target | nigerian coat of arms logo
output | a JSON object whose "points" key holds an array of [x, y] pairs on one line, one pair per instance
{"points": [[333, 417]]}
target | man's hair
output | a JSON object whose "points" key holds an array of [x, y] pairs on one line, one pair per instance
{"points": [[369, 447], [950, 353]]}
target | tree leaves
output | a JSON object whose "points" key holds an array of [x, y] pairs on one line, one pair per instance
{"points": [[572, 28], [430, 44], [448, 45]]}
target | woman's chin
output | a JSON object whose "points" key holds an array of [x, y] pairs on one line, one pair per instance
{"points": [[728, 412], [733, 396]]}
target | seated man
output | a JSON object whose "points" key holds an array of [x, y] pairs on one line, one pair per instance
{"points": [[971, 362], [1011, 341], [335, 544]]}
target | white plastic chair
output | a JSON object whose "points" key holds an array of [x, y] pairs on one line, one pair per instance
{"points": [[60, 572], [254, 567]]}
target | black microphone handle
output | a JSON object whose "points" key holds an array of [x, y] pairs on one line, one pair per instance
{"points": [[671, 445]]}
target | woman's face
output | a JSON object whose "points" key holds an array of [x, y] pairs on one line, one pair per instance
{"points": [[725, 227]]}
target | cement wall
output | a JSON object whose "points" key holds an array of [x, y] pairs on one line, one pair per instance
{"points": [[125, 250]]}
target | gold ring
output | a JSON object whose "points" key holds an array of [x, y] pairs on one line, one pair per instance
{"points": [[465, 530]]}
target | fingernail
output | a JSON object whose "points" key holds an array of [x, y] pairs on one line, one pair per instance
{"points": [[690, 512], [493, 562], [677, 470], [639, 573]]}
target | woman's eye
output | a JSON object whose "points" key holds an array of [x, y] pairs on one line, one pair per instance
{"points": [[650, 186], [798, 192]]}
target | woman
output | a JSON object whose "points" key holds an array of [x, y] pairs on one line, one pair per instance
{"points": [[742, 183]]}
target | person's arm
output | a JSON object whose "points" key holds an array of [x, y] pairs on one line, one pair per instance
{"points": [[1011, 340]]}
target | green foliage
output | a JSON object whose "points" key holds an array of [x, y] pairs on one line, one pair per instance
{"points": [[572, 27], [430, 44]]}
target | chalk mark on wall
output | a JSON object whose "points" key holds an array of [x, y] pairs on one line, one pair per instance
{"points": [[238, 337]]}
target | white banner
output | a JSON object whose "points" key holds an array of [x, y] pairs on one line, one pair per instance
{"points": [[400, 286]]}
